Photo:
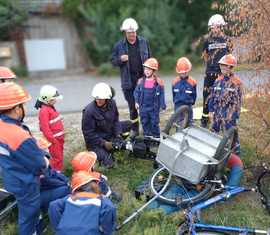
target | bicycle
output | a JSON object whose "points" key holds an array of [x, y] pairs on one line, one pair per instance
{"points": [[193, 225]]}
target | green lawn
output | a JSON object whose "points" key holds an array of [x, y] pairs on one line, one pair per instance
{"points": [[245, 209]]}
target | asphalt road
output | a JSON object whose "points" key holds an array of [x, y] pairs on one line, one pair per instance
{"points": [[76, 89]]}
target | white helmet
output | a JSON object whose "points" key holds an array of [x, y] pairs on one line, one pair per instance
{"points": [[216, 20], [102, 91], [47, 93], [129, 25]]}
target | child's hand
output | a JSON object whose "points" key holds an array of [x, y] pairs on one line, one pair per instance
{"points": [[210, 115], [137, 106]]}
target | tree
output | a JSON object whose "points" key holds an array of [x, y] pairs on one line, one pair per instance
{"points": [[170, 25], [11, 17], [250, 22]]}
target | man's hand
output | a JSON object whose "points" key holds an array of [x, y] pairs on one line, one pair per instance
{"points": [[124, 58], [137, 105], [108, 145]]}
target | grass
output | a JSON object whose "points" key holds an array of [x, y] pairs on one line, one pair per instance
{"points": [[243, 210]]}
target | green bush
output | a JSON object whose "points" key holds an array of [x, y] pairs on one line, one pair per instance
{"points": [[20, 71], [107, 69], [11, 16]]}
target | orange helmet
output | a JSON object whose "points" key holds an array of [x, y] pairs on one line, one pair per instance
{"points": [[43, 143], [228, 60], [81, 178], [6, 74], [83, 161], [12, 95], [151, 63], [183, 65]]}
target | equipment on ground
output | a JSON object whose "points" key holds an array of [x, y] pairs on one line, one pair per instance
{"points": [[194, 225], [191, 157], [144, 147]]}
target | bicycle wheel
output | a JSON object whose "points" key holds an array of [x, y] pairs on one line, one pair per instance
{"points": [[182, 197], [226, 144], [177, 121]]}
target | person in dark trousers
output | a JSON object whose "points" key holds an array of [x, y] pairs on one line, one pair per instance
{"points": [[225, 99], [150, 98], [23, 162], [100, 124], [129, 54], [184, 87], [215, 47]]}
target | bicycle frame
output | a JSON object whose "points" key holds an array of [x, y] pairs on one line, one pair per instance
{"points": [[230, 191]]}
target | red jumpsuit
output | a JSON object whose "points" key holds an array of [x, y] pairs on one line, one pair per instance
{"points": [[51, 125]]}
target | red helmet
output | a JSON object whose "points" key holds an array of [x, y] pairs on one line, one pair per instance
{"points": [[6, 74], [83, 161], [12, 95], [81, 178], [183, 65], [151, 63], [228, 60]]}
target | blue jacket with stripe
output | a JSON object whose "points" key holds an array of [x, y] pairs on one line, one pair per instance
{"points": [[84, 213], [21, 160], [184, 91]]}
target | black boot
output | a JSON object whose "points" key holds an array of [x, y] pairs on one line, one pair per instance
{"points": [[204, 122]]}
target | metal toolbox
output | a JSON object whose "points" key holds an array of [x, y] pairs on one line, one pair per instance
{"points": [[189, 152]]}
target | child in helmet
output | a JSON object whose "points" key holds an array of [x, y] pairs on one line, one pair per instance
{"points": [[184, 86], [225, 98], [150, 99], [51, 124], [216, 45], [6, 75], [85, 211], [85, 161]]}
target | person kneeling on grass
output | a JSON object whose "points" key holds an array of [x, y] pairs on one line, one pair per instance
{"points": [[85, 211], [100, 124]]}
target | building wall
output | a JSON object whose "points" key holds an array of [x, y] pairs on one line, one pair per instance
{"points": [[9, 54], [57, 26]]}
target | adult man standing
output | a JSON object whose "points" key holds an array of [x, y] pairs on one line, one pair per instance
{"points": [[215, 47], [129, 54]]}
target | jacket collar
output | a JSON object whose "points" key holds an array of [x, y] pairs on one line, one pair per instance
{"points": [[8, 119]]}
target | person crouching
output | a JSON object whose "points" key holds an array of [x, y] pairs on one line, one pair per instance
{"points": [[85, 211]]}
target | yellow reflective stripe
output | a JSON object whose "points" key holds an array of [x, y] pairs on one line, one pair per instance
{"points": [[125, 133], [205, 115], [135, 120]]}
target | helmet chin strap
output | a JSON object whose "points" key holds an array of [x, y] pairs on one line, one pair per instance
{"points": [[23, 113]]}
